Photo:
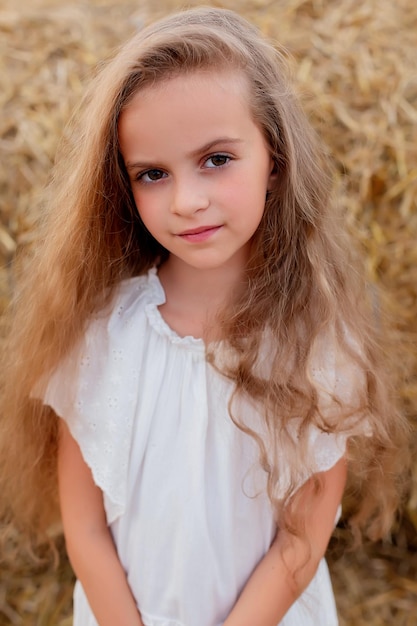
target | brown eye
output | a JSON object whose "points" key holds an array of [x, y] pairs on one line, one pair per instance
{"points": [[217, 160], [151, 176]]}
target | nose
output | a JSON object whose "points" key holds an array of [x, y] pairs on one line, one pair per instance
{"points": [[189, 196]]}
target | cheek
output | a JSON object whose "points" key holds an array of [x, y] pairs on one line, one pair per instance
{"points": [[239, 190], [255, 203], [246, 201], [144, 207]]}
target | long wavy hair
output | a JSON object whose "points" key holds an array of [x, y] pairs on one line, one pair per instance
{"points": [[303, 287]]}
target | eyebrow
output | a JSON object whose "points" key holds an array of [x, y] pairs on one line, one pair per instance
{"points": [[206, 148]]}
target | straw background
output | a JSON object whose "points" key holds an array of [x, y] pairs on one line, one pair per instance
{"points": [[355, 64]]}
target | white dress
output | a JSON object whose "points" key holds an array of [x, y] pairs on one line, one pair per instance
{"points": [[183, 494]]}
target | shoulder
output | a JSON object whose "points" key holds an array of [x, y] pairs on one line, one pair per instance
{"points": [[336, 364], [339, 374], [130, 297], [127, 306], [111, 334]]}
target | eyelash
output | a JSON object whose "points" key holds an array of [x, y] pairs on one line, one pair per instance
{"points": [[221, 155], [141, 175]]}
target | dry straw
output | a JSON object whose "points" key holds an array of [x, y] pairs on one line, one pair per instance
{"points": [[355, 64]]}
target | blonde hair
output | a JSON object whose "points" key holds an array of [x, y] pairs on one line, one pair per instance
{"points": [[301, 280]]}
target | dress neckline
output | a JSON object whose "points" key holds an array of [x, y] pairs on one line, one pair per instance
{"points": [[157, 321]]}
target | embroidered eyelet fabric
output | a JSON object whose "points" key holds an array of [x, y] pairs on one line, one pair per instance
{"points": [[183, 494]]}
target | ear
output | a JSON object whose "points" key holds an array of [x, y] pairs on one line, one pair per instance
{"points": [[273, 175]]}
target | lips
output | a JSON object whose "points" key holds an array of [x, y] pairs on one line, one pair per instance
{"points": [[196, 231], [199, 234]]}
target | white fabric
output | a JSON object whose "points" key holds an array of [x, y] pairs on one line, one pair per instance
{"points": [[184, 497]]}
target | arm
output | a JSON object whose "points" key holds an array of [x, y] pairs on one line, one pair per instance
{"points": [[89, 543], [273, 586]]}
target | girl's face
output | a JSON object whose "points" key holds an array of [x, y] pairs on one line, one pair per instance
{"points": [[199, 166]]}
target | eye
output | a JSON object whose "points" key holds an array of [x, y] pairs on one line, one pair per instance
{"points": [[217, 160], [151, 176]]}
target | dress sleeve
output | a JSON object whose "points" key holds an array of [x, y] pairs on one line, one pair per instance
{"points": [[340, 383], [90, 390]]}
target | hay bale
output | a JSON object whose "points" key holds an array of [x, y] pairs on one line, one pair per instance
{"points": [[356, 73]]}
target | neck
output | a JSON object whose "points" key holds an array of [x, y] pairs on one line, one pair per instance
{"points": [[194, 296]]}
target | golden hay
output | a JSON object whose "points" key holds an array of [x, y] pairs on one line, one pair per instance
{"points": [[355, 66]]}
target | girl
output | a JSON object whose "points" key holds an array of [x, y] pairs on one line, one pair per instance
{"points": [[193, 317]]}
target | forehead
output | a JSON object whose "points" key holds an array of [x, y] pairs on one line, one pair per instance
{"points": [[194, 81], [189, 108]]}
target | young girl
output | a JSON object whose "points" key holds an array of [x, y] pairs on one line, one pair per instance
{"points": [[193, 316]]}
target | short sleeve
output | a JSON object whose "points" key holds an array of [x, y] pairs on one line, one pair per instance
{"points": [[301, 458], [340, 385], [84, 391], [326, 449], [95, 390]]}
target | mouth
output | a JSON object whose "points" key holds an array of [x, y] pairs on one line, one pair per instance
{"points": [[199, 234]]}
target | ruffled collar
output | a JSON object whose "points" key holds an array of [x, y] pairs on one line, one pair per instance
{"points": [[156, 298]]}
